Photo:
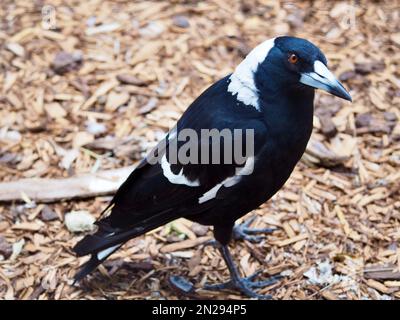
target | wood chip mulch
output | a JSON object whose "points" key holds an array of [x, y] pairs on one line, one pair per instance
{"points": [[93, 85]]}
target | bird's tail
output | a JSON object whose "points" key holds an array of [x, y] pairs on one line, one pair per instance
{"points": [[108, 239], [95, 260]]}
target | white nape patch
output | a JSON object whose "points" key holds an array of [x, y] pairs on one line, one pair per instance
{"points": [[106, 252], [242, 80], [323, 71], [230, 181], [176, 178]]}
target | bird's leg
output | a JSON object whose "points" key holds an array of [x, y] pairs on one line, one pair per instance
{"points": [[244, 285], [243, 232]]}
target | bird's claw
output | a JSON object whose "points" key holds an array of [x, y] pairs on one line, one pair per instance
{"points": [[244, 232], [245, 285]]}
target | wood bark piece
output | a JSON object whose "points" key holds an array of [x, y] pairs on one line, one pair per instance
{"points": [[387, 272], [186, 244], [80, 186]]}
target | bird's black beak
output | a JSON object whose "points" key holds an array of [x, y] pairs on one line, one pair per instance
{"points": [[322, 78]]}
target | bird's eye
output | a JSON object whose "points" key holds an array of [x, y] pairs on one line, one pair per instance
{"points": [[293, 58]]}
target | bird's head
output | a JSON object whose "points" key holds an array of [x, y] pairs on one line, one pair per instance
{"points": [[284, 61], [302, 61]]}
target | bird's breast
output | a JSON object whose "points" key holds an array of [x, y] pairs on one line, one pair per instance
{"points": [[289, 128]]}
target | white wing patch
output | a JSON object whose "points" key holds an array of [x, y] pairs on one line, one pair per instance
{"points": [[104, 253], [242, 80], [210, 194], [230, 181], [176, 178], [172, 134]]}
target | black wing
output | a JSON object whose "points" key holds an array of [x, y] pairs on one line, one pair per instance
{"points": [[149, 199]]}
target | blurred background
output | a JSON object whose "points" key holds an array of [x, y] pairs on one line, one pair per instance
{"points": [[88, 87]]}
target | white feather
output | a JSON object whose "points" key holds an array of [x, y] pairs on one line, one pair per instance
{"points": [[176, 178], [230, 181], [242, 80], [104, 253]]}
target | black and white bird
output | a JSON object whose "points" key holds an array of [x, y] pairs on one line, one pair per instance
{"points": [[271, 92]]}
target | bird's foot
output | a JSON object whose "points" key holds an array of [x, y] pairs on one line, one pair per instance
{"points": [[244, 232], [212, 243], [245, 285]]}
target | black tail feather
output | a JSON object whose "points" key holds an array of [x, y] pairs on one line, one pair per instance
{"points": [[93, 263], [107, 240], [87, 268], [106, 236]]}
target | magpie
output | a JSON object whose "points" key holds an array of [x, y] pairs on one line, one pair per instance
{"points": [[270, 95]]}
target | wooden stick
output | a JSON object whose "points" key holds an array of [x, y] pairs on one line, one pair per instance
{"points": [[50, 190]]}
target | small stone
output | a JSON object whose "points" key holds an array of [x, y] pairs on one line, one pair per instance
{"points": [[328, 128], [64, 62], [10, 136], [8, 157], [181, 21], [199, 229], [296, 19], [327, 105], [363, 120], [390, 116], [366, 68], [47, 214], [173, 238], [17, 211], [79, 221], [367, 123], [347, 75], [5, 248]]}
